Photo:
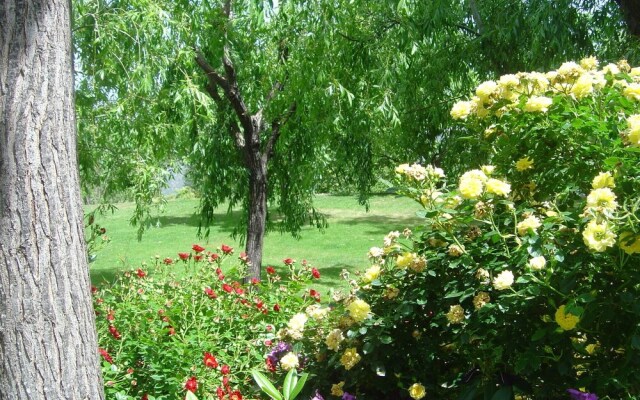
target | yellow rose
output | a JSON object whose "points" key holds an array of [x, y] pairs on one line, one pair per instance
{"points": [[350, 358], [598, 236], [289, 361], [371, 274], [417, 391], [603, 180], [498, 187], [589, 63], [405, 259], [359, 310], [455, 314], [336, 389], [602, 199], [538, 104], [531, 222], [566, 321], [503, 281], [333, 340], [470, 188], [462, 109], [633, 134], [629, 243], [480, 300], [632, 91]]}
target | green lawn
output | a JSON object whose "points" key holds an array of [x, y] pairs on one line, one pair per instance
{"points": [[343, 245]]}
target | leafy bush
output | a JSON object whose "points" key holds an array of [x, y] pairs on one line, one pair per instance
{"points": [[524, 281], [162, 336]]}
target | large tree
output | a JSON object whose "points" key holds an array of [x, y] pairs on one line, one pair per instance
{"points": [[48, 344]]}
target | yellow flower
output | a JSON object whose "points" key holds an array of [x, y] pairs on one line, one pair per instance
{"points": [[481, 299], [418, 265], [602, 199], [531, 222], [475, 174], [508, 81], [498, 187], [633, 135], [462, 109], [583, 86], [537, 263], [375, 252], [486, 89], [629, 243], [371, 274], [483, 276], [455, 250], [611, 68], [566, 321], [289, 361], [487, 169], [524, 164], [336, 389], [402, 169], [470, 188], [589, 63], [359, 310], [632, 91], [296, 323], [603, 180], [598, 236], [503, 281], [417, 391], [333, 340], [404, 260], [350, 358], [538, 104], [391, 293], [570, 70], [455, 314], [316, 311]]}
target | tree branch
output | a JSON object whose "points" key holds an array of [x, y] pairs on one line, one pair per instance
{"points": [[275, 132]]}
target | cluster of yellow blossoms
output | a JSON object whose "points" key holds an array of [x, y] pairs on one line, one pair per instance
{"points": [[473, 183], [532, 91], [601, 203]]}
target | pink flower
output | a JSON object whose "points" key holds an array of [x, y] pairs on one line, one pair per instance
{"points": [[197, 248], [255, 281], [226, 249], [184, 256], [220, 393], [209, 292], [225, 370], [243, 257], [227, 288], [191, 384], [315, 273], [213, 257], [168, 261]]}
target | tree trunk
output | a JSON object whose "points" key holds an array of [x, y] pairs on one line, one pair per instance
{"points": [[48, 346], [257, 215], [631, 13]]}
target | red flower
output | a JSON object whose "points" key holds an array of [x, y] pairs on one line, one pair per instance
{"points": [[315, 273], [235, 395], [243, 257], [288, 261], [226, 249], [197, 248], [268, 342], [210, 360], [106, 356], [220, 393], [198, 257], [227, 288], [209, 292], [255, 281], [213, 257], [171, 331], [94, 289], [276, 307], [114, 332], [270, 366], [221, 277], [313, 293], [184, 256], [225, 370], [129, 371], [271, 270], [141, 273], [145, 397], [191, 384], [239, 291], [168, 261]]}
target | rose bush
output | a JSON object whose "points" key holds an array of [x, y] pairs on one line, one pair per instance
{"points": [[161, 335], [524, 281]]}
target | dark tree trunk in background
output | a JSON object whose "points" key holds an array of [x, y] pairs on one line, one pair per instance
{"points": [[48, 346], [631, 12], [257, 217]]}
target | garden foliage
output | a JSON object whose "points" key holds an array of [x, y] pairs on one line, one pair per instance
{"points": [[163, 336], [524, 281]]}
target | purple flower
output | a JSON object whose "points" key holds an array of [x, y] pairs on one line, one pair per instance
{"points": [[348, 396], [578, 395], [317, 396], [279, 350]]}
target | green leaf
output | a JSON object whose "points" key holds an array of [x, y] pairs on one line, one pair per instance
{"points": [[266, 385], [190, 396], [289, 382], [298, 387]]}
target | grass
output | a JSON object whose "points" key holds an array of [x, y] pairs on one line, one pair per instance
{"points": [[342, 245]]}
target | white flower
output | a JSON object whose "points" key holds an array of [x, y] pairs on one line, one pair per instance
{"points": [[289, 361], [537, 263], [503, 281]]}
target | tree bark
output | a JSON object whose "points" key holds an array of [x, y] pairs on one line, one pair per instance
{"points": [[48, 346], [257, 215]]}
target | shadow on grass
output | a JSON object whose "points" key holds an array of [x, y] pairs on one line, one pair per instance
{"points": [[223, 221]]}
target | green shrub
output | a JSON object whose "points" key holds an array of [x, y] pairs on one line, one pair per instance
{"points": [[524, 280], [161, 336]]}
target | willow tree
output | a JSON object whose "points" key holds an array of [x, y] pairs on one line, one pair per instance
{"points": [[48, 342], [242, 93]]}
